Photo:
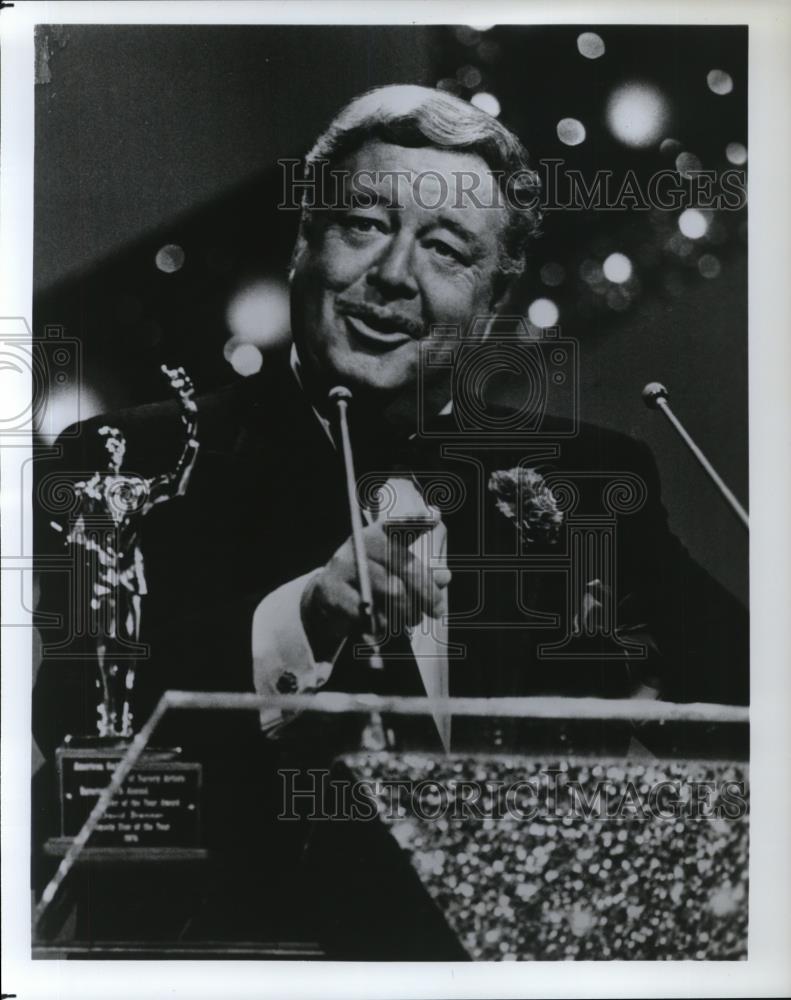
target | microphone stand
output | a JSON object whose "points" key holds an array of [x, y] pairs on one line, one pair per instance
{"points": [[655, 397], [341, 396]]}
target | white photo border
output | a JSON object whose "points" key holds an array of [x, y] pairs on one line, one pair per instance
{"points": [[767, 971]]}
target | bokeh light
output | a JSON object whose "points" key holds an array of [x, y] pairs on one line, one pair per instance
{"points": [[693, 223], [487, 51], [637, 113], [678, 244], [466, 35], [64, 407], [258, 313], [709, 266], [170, 258], [617, 268], [591, 272], [670, 147], [719, 81], [590, 45], [450, 85], [246, 359], [618, 298], [486, 102], [543, 313], [469, 76], [571, 132], [688, 164], [553, 274], [736, 153]]}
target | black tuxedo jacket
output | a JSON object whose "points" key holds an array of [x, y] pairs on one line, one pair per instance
{"points": [[266, 504]]}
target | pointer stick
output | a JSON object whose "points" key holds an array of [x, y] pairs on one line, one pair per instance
{"points": [[655, 397], [340, 395]]}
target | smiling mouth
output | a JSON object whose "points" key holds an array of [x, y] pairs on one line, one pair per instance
{"points": [[374, 331]]}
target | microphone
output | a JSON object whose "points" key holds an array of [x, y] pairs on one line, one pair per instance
{"points": [[655, 398], [341, 397]]}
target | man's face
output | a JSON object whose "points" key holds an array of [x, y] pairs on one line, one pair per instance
{"points": [[370, 280]]}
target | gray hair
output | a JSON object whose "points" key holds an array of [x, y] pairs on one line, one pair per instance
{"points": [[419, 116]]}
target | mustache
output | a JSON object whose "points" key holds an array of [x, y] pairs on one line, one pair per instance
{"points": [[381, 317]]}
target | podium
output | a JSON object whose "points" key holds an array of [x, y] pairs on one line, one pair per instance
{"points": [[555, 829]]}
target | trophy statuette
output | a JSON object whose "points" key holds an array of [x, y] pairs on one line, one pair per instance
{"points": [[158, 805]]}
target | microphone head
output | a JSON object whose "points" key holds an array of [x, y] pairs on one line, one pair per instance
{"points": [[339, 394], [652, 393]]}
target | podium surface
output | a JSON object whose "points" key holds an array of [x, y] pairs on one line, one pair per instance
{"points": [[555, 829]]}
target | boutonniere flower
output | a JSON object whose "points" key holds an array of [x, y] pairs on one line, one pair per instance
{"points": [[523, 496]]}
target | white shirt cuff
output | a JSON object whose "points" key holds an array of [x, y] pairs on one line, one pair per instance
{"points": [[283, 661]]}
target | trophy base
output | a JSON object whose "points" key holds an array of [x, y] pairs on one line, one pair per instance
{"points": [[57, 847], [156, 810]]}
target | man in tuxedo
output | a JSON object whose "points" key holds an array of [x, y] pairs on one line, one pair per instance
{"points": [[379, 288], [252, 578]]}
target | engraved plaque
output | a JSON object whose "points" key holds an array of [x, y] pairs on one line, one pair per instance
{"points": [[158, 804]]}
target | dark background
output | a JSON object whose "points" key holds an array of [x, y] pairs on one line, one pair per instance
{"points": [[156, 136]]}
